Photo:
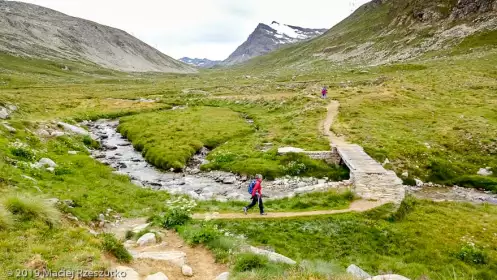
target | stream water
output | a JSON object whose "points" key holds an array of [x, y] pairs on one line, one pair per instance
{"points": [[119, 153]]}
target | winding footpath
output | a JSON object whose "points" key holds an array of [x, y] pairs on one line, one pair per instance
{"points": [[356, 206], [376, 185]]}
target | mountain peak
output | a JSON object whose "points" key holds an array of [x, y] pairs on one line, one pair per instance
{"points": [[268, 37], [200, 62]]}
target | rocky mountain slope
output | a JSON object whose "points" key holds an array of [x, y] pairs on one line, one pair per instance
{"points": [[267, 38], [384, 31], [34, 31], [200, 62]]}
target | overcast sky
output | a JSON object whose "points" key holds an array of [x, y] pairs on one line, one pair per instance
{"points": [[202, 28]]}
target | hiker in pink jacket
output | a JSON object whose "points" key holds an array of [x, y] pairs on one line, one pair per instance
{"points": [[256, 196], [324, 92]]}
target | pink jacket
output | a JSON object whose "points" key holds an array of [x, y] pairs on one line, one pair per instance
{"points": [[257, 188]]}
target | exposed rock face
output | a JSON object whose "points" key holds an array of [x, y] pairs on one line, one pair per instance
{"points": [[6, 111], [34, 31], [267, 38], [419, 27], [465, 8]]}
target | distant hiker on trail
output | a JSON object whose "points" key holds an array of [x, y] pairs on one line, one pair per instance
{"points": [[255, 189], [324, 92]]}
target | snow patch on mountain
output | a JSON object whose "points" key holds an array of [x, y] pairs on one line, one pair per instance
{"points": [[268, 37], [283, 30], [200, 62]]}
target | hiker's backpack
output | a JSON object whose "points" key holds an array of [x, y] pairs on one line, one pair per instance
{"points": [[251, 186]]}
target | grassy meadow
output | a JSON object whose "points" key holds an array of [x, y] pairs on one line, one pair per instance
{"points": [[435, 118]]}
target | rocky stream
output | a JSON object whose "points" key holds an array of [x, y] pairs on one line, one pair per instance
{"points": [[120, 154]]}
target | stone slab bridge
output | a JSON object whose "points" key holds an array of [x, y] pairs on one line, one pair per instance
{"points": [[370, 180]]}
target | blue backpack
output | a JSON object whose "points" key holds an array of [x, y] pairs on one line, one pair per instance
{"points": [[251, 186]]}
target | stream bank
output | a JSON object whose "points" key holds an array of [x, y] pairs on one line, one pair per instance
{"points": [[119, 153]]}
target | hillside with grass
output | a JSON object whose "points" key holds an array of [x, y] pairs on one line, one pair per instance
{"points": [[384, 31], [37, 32], [431, 119]]}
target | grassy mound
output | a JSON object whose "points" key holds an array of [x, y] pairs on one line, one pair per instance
{"points": [[28, 208], [172, 137]]}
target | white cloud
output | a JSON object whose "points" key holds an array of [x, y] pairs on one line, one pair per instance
{"points": [[202, 28]]}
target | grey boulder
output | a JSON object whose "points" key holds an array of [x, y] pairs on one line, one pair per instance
{"points": [[74, 129], [46, 162], [357, 272]]}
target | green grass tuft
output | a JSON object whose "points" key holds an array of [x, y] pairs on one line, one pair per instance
{"points": [[28, 208], [23, 153], [113, 246], [172, 218], [247, 262]]}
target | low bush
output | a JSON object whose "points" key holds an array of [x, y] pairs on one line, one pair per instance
{"points": [[405, 208], [402, 67], [28, 208], [129, 235], [23, 153], [62, 170], [247, 262], [471, 254], [178, 213], [114, 247], [90, 142], [200, 234], [223, 247], [409, 181], [172, 218], [440, 171]]}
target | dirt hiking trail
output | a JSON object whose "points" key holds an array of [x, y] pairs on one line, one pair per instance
{"points": [[356, 206], [325, 126], [173, 250]]}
